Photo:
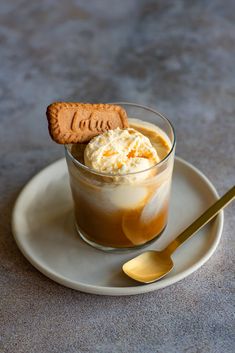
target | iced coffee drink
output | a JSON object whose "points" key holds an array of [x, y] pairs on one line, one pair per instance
{"points": [[121, 179]]}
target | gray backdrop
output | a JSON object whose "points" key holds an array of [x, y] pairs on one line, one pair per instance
{"points": [[176, 56]]}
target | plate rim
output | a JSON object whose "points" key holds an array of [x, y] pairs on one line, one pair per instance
{"points": [[116, 291]]}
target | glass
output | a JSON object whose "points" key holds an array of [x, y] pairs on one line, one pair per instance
{"points": [[114, 212]]}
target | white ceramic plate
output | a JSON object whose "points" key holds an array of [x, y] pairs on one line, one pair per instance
{"points": [[43, 229]]}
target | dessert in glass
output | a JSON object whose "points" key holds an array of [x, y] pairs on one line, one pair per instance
{"points": [[121, 181]]}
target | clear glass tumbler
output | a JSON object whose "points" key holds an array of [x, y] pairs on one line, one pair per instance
{"points": [[114, 212]]}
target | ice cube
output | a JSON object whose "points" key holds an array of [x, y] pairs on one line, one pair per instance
{"points": [[126, 196], [156, 202]]}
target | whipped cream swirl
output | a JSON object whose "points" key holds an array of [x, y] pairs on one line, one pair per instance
{"points": [[120, 151]]}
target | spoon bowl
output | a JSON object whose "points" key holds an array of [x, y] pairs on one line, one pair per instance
{"points": [[149, 266]]}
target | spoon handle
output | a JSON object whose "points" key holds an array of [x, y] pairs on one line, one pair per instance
{"points": [[210, 213]]}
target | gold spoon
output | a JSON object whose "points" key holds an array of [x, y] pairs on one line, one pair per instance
{"points": [[153, 265]]}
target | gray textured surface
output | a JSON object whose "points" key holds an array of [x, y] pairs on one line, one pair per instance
{"points": [[177, 56]]}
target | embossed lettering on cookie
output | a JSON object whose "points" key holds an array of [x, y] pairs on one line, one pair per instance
{"points": [[80, 122]]}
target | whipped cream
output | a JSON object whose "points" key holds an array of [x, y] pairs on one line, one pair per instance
{"points": [[120, 151]]}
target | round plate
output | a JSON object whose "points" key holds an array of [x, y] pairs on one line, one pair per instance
{"points": [[44, 231]]}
